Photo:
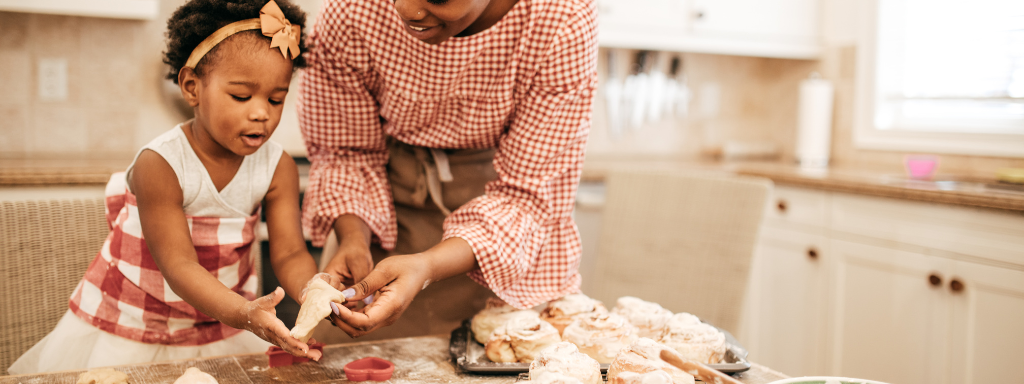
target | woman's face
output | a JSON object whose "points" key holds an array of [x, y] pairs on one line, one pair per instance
{"points": [[435, 21]]}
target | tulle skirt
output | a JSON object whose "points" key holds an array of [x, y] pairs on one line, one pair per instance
{"points": [[75, 345]]}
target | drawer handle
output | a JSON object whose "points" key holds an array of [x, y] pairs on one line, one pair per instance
{"points": [[956, 285], [812, 253], [781, 205], [934, 280]]}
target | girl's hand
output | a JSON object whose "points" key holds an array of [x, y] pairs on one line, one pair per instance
{"points": [[260, 317], [398, 279]]}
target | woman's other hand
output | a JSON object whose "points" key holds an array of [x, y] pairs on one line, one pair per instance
{"points": [[397, 280], [260, 318]]}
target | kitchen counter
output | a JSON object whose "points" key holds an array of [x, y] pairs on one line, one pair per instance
{"points": [[965, 190], [417, 360], [63, 172]]}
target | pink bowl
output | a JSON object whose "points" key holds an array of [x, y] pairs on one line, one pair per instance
{"points": [[369, 368], [920, 167]]}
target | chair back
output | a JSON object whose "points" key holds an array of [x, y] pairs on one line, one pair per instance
{"points": [[45, 247], [683, 240]]}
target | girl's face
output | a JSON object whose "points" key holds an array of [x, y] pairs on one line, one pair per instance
{"points": [[435, 21], [239, 100]]}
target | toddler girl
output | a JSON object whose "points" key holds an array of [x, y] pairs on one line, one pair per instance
{"points": [[175, 277]]}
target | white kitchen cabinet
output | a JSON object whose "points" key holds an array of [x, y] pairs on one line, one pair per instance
{"points": [[913, 292], [121, 9], [765, 28]]}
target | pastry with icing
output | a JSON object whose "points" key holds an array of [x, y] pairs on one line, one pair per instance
{"points": [[601, 335], [640, 362], [496, 313], [560, 313], [694, 340], [650, 318], [564, 358], [520, 340]]}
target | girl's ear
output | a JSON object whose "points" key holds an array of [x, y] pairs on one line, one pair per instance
{"points": [[188, 81]]}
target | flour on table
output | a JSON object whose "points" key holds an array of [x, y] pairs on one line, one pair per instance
{"points": [[103, 376]]}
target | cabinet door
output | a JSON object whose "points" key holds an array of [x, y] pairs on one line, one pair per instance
{"points": [[789, 301], [792, 21], [888, 320], [644, 16], [987, 332]]}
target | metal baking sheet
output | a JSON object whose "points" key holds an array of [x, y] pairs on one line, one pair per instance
{"points": [[469, 355]]}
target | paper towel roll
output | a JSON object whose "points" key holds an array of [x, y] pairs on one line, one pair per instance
{"points": [[814, 122]]}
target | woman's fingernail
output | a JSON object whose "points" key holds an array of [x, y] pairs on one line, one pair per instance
{"points": [[348, 293], [368, 300], [334, 307]]}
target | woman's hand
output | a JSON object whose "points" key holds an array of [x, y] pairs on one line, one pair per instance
{"points": [[260, 318], [397, 279]]}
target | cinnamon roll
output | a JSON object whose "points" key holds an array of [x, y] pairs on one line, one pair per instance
{"points": [[601, 335], [565, 359], [562, 312], [640, 362], [650, 318], [494, 315], [694, 340], [520, 340]]}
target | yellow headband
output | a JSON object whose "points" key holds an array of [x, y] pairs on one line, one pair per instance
{"points": [[273, 24]]}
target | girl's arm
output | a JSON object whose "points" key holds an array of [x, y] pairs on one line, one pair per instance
{"points": [[292, 263], [167, 236]]}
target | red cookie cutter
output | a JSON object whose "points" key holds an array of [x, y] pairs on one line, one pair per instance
{"points": [[277, 357], [369, 368]]}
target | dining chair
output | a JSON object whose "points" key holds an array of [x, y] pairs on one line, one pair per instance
{"points": [[683, 240]]}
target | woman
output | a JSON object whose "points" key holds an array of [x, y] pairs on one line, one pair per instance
{"points": [[452, 133]]}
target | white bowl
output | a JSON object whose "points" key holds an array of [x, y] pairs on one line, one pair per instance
{"points": [[824, 380]]}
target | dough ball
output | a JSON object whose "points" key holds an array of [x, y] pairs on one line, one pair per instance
{"points": [[194, 375], [103, 376]]}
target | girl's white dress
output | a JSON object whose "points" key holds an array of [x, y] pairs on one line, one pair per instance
{"points": [[78, 344]]}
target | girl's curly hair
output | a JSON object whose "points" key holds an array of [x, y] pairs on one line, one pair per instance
{"points": [[197, 19]]}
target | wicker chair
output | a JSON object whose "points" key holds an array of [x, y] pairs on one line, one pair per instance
{"points": [[45, 247], [685, 241]]}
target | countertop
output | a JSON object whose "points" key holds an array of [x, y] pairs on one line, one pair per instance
{"points": [[965, 190], [417, 360]]}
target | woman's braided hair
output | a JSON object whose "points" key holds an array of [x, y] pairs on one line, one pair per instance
{"points": [[197, 19]]}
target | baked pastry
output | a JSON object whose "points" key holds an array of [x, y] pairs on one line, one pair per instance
{"points": [[520, 340], [564, 358], [643, 357], [494, 315], [650, 318], [552, 378], [652, 377], [694, 340], [562, 312], [601, 335]]}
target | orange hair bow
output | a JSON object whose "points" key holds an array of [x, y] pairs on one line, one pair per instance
{"points": [[283, 35]]}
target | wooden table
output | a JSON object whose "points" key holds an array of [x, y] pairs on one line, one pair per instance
{"points": [[417, 360]]}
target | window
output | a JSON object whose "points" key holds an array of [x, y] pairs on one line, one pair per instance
{"points": [[944, 76]]}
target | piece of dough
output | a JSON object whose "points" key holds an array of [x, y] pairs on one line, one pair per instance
{"points": [[520, 340], [103, 376], [643, 357], [565, 359], [316, 307], [649, 317], [562, 312], [493, 316], [694, 340], [601, 335], [193, 375]]}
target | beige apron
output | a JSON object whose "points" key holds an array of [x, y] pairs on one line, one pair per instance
{"points": [[426, 185]]}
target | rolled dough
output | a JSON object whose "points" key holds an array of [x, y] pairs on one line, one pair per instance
{"points": [[195, 376], [316, 307], [103, 376]]}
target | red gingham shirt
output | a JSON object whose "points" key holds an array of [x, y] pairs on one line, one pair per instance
{"points": [[124, 293], [525, 85]]}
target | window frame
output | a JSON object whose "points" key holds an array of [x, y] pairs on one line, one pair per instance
{"points": [[867, 136]]}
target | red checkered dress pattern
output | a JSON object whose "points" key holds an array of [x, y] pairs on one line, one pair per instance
{"points": [[524, 86], [123, 292]]}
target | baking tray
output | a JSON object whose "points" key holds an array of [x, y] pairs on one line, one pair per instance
{"points": [[469, 355]]}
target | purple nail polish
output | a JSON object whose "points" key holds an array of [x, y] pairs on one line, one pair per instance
{"points": [[348, 293], [368, 300], [334, 307]]}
